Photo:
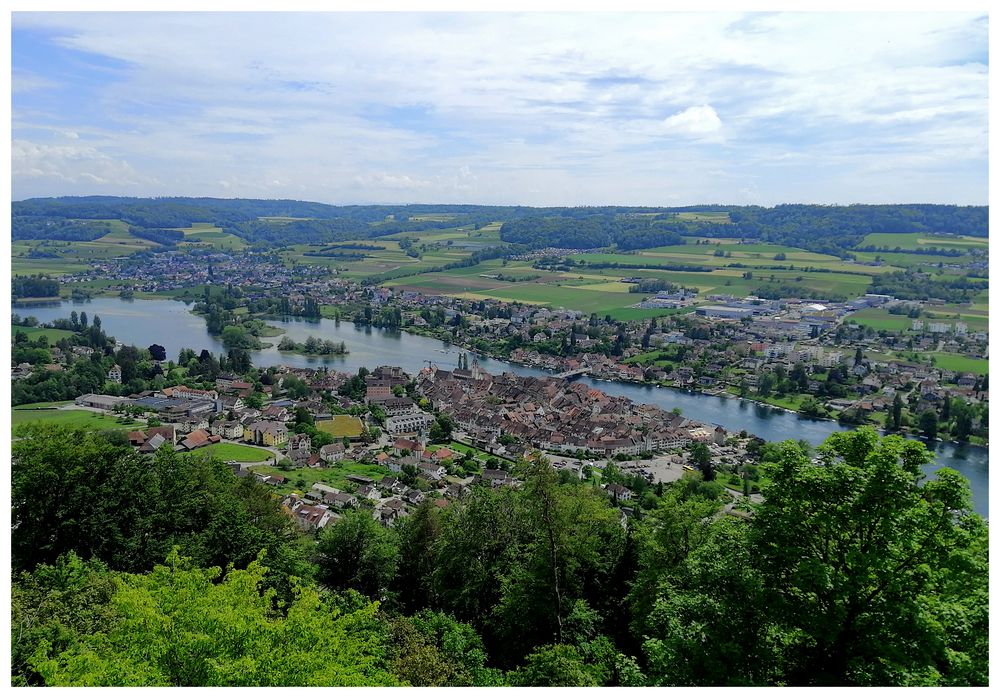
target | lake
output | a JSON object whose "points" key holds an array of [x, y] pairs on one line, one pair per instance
{"points": [[171, 324]]}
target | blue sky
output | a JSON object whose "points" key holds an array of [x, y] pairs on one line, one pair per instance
{"points": [[533, 109]]}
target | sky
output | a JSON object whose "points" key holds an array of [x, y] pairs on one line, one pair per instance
{"points": [[533, 109]]}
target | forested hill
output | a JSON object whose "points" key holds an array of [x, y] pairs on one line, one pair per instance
{"points": [[828, 229], [171, 571]]}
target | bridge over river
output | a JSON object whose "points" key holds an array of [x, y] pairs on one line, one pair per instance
{"points": [[575, 372]]}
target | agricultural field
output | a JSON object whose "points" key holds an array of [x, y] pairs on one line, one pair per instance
{"points": [[897, 260], [879, 319], [465, 237], [236, 452], [35, 332], [437, 217], [72, 256], [74, 418], [975, 316], [340, 426], [22, 265], [938, 265], [957, 362], [940, 359], [205, 235], [704, 216], [437, 248], [600, 290], [389, 259], [917, 241]]}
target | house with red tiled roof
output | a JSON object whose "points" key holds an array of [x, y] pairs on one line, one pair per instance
{"points": [[198, 439]]}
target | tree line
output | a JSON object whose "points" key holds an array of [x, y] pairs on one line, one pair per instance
{"points": [[854, 570]]}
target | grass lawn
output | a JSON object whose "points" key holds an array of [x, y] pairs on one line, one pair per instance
{"points": [[789, 402], [957, 362], [917, 241], [879, 319], [33, 405], [36, 332], [73, 418], [734, 481], [301, 480], [462, 448], [341, 425], [237, 452]]}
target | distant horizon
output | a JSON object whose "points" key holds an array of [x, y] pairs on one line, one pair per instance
{"points": [[498, 205]]}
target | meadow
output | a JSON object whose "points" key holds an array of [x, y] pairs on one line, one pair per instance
{"points": [[916, 241], [71, 256], [302, 480], [236, 452], [600, 290], [206, 235], [34, 333], [879, 319], [340, 426], [74, 418]]}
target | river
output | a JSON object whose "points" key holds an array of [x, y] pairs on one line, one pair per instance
{"points": [[170, 324]]}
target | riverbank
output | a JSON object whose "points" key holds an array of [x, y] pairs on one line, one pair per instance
{"points": [[723, 392], [315, 354], [162, 321]]}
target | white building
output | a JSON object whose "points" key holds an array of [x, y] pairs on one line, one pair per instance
{"points": [[832, 358], [408, 423]]}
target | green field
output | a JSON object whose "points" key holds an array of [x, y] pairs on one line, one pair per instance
{"points": [[600, 290], [335, 476], [917, 241], [436, 248], [709, 216], [939, 359], [879, 319], [206, 235], [25, 266], [237, 452], [977, 319], [72, 255], [74, 418], [35, 332], [32, 405], [340, 426], [957, 362]]}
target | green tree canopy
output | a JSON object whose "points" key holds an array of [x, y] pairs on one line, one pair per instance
{"points": [[176, 626]]}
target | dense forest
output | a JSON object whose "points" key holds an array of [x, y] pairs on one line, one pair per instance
{"points": [[51, 227], [828, 229], [36, 286], [161, 236], [169, 570], [590, 232]]}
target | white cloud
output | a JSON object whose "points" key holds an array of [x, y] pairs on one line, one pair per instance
{"points": [[694, 121], [391, 181], [72, 164], [23, 81], [543, 108]]}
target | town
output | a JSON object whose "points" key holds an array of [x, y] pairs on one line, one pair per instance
{"points": [[819, 358], [545, 349], [482, 425]]}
